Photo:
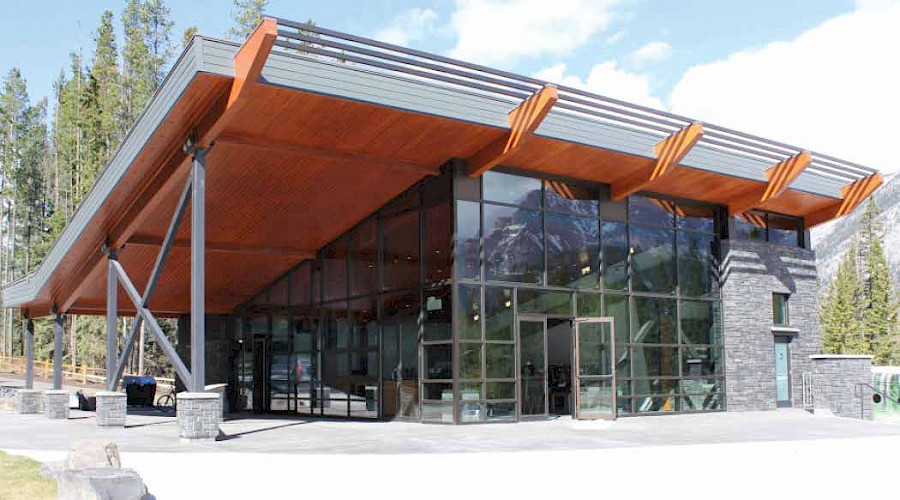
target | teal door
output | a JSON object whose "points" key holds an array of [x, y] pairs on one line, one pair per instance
{"points": [[783, 371]]}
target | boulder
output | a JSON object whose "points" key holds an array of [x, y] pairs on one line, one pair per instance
{"points": [[101, 483], [93, 453]]}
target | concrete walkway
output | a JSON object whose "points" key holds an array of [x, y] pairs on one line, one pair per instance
{"points": [[784, 454]]}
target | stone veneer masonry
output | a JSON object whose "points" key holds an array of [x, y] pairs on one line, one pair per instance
{"points": [[56, 404], [111, 409], [751, 272], [199, 415], [835, 377], [28, 401]]}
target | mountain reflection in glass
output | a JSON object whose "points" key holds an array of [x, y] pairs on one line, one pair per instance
{"points": [[653, 259], [512, 189], [573, 251], [513, 244]]}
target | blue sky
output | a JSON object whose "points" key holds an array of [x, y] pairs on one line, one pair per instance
{"points": [[766, 66]]}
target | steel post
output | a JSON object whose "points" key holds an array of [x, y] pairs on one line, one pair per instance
{"points": [[29, 353], [112, 317], [198, 271], [57, 351]]}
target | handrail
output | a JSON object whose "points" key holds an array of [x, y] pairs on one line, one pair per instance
{"points": [[308, 40], [858, 393], [79, 373]]}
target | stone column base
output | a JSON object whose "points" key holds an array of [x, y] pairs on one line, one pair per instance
{"points": [[56, 404], [111, 409], [199, 415], [28, 401]]}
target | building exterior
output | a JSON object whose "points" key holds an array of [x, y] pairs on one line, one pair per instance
{"points": [[376, 232]]}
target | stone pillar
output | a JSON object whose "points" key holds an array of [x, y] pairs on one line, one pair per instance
{"points": [[751, 272], [841, 384], [56, 404], [28, 401], [111, 409], [199, 415]]}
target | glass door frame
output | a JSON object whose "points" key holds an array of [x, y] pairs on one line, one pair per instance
{"points": [[398, 324], [786, 341], [577, 378]]}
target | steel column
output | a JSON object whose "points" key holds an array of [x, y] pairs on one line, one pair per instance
{"points": [[112, 317], [57, 351], [198, 271], [29, 353]]}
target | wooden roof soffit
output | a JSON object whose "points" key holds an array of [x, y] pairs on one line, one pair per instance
{"points": [[780, 177], [852, 195], [269, 145], [523, 121], [215, 247], [669, 153]]}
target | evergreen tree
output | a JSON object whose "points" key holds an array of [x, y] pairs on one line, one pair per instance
{"points": [[248, 15], [138, 76], [839, 318], [105, 83], [158, 39]]}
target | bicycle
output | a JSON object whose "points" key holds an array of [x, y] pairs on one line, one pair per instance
{"points": [[168, 400]]}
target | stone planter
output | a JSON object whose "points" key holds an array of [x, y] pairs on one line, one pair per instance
{"points": [[28, 401], [56, 404], [199, 415], [111, 409]]}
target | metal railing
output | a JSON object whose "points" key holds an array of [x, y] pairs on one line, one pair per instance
{"points": [[77, 373], [807, 391], [860, 392], [313, 42]]}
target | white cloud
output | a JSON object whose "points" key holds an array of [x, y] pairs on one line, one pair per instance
{"points": [[834, 89], [500, 31], [410, 26], [653, 51], [614, 38], [606, 79]]}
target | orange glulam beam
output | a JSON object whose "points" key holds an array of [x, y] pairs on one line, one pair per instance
{"points": [[669, 153], [852, 195], [780, 177], [225, 247], [523, 121]]}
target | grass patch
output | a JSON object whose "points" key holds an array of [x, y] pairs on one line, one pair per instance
{"points": [[20, 478]]}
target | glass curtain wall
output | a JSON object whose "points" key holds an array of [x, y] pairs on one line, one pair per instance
{"points": [[341, 335], [526, 245]]}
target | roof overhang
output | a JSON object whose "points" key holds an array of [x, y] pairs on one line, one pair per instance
{"points": [[315, 129]]}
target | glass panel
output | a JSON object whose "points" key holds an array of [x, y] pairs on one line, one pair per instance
{"points": [[654, 361], [499, 314], [750, 226], [656, 404], [278, 295], [700, 361], [500, 360], [438, 361], [571, 198], [401, 251], [501, 412], [438, 412], [589, 305], [364, 400], [438, 392], [335, 263], [780, 309], [533, 368], [573, 251], [513, 244], [696, 218], [782, 377], [696, 264], [468, 240], [594, 347], [595, 397], [437, 315], [784, 230], [438, 226], [469, 320], [615, 255], [363, 317], [697, 322], [471, 391], [469, 360], [617, 308], [364, 259], [613, 210], [300, 285], [651, 211], [654, 321], [653, 259], [390, 369], [409, 200], [470, 411], [512, 189], [623, 362], [545, 302], [500, 390]]}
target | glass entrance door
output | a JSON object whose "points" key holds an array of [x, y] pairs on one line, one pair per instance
{"points": [[400, 370], [782, 371], [595, 377], [533, 367]]}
